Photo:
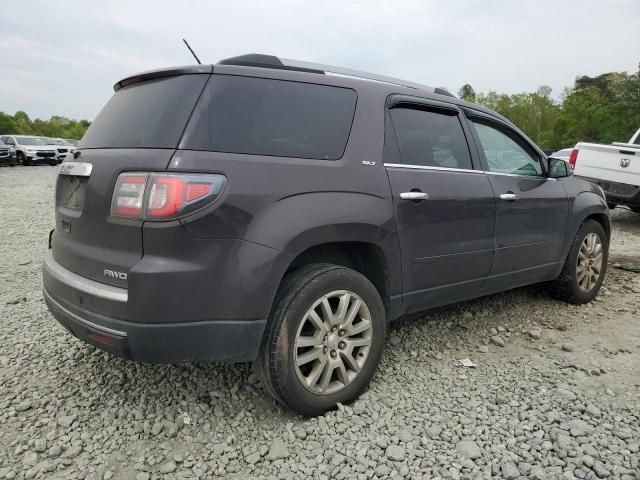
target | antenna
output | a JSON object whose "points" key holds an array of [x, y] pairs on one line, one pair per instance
{"points": [[192, 52]]}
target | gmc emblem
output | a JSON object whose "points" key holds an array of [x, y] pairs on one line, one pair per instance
{"points": [[115, 274]]}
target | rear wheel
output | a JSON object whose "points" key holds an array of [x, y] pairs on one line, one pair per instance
{"points": [[585, 266], [324, 338]]}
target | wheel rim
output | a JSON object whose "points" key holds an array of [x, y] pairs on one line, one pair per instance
{"points": [[333, 342], [589, 264]]}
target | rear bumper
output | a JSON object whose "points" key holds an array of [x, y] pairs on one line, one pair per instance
{"points": [[67, 293], [619, 193]]}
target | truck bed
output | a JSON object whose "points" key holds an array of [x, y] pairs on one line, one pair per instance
{"points": [[616, 168]]}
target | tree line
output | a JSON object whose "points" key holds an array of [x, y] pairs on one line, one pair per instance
{"points": [[55, 127], [601, 109]]}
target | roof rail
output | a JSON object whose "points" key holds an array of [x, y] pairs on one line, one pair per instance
{"points": [[271, 61]]}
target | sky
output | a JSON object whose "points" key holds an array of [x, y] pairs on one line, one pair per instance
{"points": [[62, 58]]}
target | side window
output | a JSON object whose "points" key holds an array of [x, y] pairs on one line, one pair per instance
{"points": [[261, 116], [506, 153], [431, 138]]}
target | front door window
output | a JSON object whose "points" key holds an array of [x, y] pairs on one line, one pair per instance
{"points": [[506, 154]]}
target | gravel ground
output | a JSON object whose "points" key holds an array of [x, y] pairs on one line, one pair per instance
{"points": [[555, 393]]}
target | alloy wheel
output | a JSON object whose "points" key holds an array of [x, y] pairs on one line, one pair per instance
{"points": [[589, 265], [332, 342]]}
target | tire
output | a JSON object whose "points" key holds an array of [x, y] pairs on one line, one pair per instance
{"points": [[573, 287], [20, 159], [635, 209], [611, 205], [289, 321]]}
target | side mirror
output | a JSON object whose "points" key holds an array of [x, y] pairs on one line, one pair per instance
{"points": [[558, 168]]}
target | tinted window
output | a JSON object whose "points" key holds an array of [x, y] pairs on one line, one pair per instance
{"points": [[271, 117], [150, 114], [505, 152], [430, 138]]}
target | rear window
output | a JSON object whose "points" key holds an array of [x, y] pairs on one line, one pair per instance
{"points": [[271, 117], [150, 114]]}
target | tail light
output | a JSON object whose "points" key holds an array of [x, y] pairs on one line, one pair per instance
{"points": [[129, 195], [573, 157], [154, 196]]}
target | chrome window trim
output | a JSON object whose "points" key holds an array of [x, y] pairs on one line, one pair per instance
{"points": [[83, 320], [539, 177], [425, 167], [464, 170], [83, 284]]}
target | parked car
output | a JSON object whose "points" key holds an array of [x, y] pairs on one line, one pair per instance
{"points": [[615, 168], [62, 146], [31, 149], [563, 154], [7, 154], [274, 212]]}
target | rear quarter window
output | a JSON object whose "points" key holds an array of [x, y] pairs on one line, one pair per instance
{"points": [[271, 117], [151, 114]]}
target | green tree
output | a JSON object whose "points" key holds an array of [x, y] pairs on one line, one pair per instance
{"points": [[602, 109], [7, 124], [467, 93], [56, 126], [599, 109]]}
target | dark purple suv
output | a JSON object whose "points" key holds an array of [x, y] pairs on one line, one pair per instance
{"points": [[282, 212]]}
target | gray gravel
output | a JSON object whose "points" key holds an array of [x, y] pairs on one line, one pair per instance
{"points": [[531, 409]]}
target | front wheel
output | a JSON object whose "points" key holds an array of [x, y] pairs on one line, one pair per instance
{"points": [[324, 338], [585, 266]]}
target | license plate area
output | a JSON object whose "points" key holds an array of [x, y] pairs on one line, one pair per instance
{"points": [[72, 186], [73, 192]]}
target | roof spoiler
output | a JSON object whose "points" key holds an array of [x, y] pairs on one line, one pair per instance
{"points": [[162, 72]]}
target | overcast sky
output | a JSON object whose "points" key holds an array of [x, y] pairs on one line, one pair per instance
{"points": [[62, 58]]}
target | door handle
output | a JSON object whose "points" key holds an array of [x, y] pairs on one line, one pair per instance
{"points": [[510, 196], [414, 196]]}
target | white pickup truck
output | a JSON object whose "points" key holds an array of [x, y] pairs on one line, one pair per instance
{"points": [[615, 167]]}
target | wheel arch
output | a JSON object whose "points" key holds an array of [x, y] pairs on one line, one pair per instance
{"points": [[364, 257], [603, 220], [587, 205]]}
